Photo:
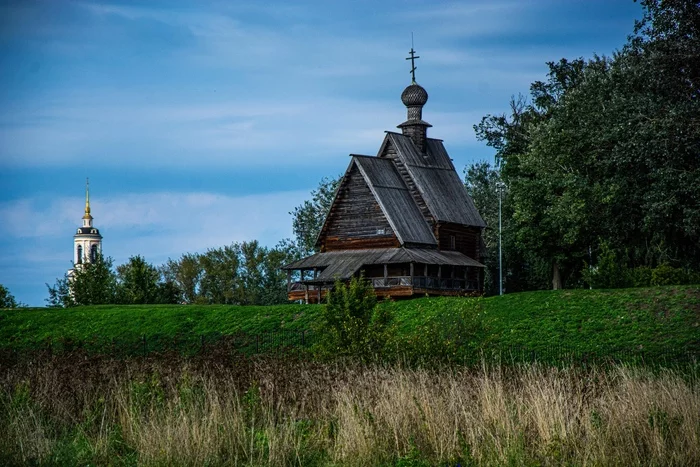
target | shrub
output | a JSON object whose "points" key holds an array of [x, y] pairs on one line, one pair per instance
{"points": [[610, 272], [641, 276], [664, 274], [351, 324]]}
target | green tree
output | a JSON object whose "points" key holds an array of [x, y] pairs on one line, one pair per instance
{"points": [[308, 217], [220, 280], [138, 282], [92, 283], [607, 151], [7, 300], [351, 324], [186, 274]]}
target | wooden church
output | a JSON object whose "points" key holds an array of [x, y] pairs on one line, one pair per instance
{"points": [[402, 219]]}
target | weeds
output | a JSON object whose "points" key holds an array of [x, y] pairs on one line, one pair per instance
{"points": [[215, 410]]}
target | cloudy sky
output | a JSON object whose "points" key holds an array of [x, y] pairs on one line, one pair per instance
{"points": [[204, 123]]}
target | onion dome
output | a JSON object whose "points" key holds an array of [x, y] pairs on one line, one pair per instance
{"points": [[414, 94]]}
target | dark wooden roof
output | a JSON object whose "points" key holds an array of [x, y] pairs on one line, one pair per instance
{"points": [[437, 180], [395, 200], [343, 264]]}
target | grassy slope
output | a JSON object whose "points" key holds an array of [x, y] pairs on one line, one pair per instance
{"points": [[598, 321]]}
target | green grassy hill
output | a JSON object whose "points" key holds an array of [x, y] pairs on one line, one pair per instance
{"points": [[652, 320]]}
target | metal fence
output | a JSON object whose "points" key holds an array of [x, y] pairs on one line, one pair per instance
{"points": [[298, 342]]}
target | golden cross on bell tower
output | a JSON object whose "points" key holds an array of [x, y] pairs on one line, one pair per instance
{"points": [[413, 58]]}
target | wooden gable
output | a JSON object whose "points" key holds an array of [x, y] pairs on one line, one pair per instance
{"points": [[356, 220]]}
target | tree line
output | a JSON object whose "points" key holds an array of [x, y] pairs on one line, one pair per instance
{"points": [[600, 165], [243, 273]]}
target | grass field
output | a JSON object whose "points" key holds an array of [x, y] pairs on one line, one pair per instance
{"points": [[215, 409], [654, 321]]}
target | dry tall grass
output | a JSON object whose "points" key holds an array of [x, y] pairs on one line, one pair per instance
{"points": [[245, 412]]}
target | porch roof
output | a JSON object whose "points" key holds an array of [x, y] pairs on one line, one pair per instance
{"points": [[343, 264]]}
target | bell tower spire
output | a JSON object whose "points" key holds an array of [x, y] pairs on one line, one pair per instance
{"points": [[87, 241], [87, 218]]}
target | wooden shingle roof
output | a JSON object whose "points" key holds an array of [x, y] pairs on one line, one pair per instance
{"points": [[343, 264], [395, 200], [437, 181]]}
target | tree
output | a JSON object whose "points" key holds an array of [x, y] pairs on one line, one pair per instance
{"points": [[308, 217], [7, 300], [186, 273], [351, 324], [607, 151], [138, 282], [93, 283]]}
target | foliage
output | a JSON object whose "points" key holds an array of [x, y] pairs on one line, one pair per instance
{"points": [[452, 334], [138, 282], [610, 271], [92, 283], [7, 300], [350, 324], [607, 150], [308, 218], [238, 274]]}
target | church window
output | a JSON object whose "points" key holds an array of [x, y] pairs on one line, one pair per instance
{"points": [[80, 254], [93, 253], [93, 231], [380, 231]]}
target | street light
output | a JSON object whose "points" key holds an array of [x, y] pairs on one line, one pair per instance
{"points": [[500, 186]]}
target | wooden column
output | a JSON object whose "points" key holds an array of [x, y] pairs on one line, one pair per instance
{"points": [[425, 269], [411, 271]]}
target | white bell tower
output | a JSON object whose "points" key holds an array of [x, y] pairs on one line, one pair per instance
{"points": [[87, 242]]}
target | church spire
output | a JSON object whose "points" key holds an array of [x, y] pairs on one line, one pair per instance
{"points": [[87, 218], [87, 196]]}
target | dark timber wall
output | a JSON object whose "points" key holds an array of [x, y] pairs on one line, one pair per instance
{"points": [[356, 220], [466, 239]]}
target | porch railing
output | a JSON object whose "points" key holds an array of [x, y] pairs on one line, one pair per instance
{"points": [[419, 282]]}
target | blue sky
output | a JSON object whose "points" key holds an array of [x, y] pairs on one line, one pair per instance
{"points": [[204, 123]]}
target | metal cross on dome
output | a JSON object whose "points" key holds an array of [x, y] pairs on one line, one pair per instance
{"points": [[413, 58]]}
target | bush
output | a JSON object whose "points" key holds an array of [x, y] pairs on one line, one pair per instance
{"points": [[664, 274], [641, 276], [610, 272], [351, 324]]}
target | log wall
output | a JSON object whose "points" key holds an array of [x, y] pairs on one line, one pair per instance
{"points": [[356, 221]]}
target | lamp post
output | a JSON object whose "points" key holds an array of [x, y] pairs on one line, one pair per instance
{"points": [[500, 186]]}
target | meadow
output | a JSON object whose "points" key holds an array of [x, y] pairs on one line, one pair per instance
{"points": [[217, 410], [450, 392]]}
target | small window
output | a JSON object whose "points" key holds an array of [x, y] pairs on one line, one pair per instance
{"points": [[453, 242], [80, 254], [380, 231], [93, 231], [93, 253]]}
